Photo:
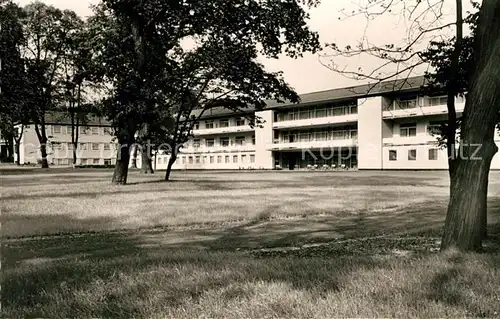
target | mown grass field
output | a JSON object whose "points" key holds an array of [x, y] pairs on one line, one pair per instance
{"points": [[239, 244]]}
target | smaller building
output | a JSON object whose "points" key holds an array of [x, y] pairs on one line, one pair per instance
{"points": [[96, 144]]}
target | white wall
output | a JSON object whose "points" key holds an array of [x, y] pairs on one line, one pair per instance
{"points": [[263, 138], [370, 128]]}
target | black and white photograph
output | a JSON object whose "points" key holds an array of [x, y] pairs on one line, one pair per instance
{"points": [[249, 159]]}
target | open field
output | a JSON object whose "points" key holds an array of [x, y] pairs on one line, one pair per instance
{"points": [[239, 244]]}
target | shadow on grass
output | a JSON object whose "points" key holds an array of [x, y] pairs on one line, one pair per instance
{"points": [[447, 286], [41, 272], [112, 274]]}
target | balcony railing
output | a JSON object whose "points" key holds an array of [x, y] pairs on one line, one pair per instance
{"points": [[222, 130], [422, 106], [314, 144]]}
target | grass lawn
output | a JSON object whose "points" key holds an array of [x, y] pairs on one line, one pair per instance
{"points": [[239, 244]]}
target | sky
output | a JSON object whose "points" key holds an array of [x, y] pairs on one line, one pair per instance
{"points": [[307, 74]]}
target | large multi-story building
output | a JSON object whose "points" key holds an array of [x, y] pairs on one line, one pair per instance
{"points": [[383, 126]]}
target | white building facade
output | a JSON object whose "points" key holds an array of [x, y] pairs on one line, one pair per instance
{"points": [[383, 127], [96, 145]]}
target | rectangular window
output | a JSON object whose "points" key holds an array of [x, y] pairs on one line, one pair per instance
{"points": [[197, 160], [320, 112], [433, 154], [190, 158], [235, 158], [224, 123], [70, 146], [209, 124], [107, 147], [209, 142], [252, 158], [83, 130], [211, 159], [240, 122], [354, 109], [83, 161], [408, 102], [224, 141], [205, 159], [107, 162], [243, 159], [240, 140], [94, 130], [408, 129], [95, 146], [253, 140], [412, 155], [183, 160], [96, 161], [83, 146], [196, 143], [196, 126], [435, 100], [393, 155], [56, 129], [226, 159], [219, 159]]}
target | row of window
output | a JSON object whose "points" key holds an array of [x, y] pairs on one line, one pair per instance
{"points": [[86, 130], [321, 135], [83, 161], [412, 101], [412, 154], [410, 129], [316, 112], [223, 141], [209, 124], [83, 146], [219, 159]]}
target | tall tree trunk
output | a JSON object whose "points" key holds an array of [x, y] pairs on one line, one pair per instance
{"points": [[125, 141], [146, 163], [467, 210], [43, 151], [452, 90], [171, 162], [10, 149], [18, 152], [122, 161], [134, 156]]}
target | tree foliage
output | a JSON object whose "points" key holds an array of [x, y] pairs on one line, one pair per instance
{"points": [[147, 60], [13, 103]]}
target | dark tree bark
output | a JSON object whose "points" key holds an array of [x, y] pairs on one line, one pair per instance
{"points": [[146, 163], [75, 126], [171, 162], [467, 210], [43, 151], [123, 158], [18, 157]]}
